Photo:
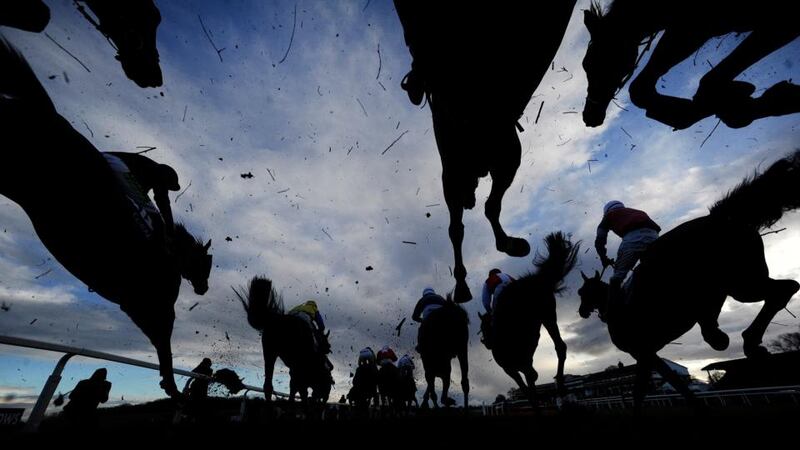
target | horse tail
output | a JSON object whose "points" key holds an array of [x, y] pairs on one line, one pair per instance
{"points": [[261, 302], [760, 201], [18, 83], [561, 257]]}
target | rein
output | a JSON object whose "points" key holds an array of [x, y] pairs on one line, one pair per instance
{"points": [[647, 45], [87, 16]]}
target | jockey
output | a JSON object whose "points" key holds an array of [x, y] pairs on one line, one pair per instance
{"points": [[492, 288], [430, 301], [637, 231], [143, 174], [386, 356], [406, 364], [309, 312], [366, 357]]}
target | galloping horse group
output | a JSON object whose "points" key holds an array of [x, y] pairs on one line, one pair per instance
{"points": [[82, 215]]}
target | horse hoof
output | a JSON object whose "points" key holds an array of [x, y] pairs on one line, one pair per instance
{"points": [[755, 352], [717, 339], [516, 247], [462, 293]]}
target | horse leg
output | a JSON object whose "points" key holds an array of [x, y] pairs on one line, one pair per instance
{"points": [[463, 362], [561, 353], [269, 369], [456, 231], [643, 369], [530, 377], [502, 177], [709, 327], [431, 391], [673, 379], [730, 99], [446, 400], [456, 190], [778, 294], [157, 326], [679, 113]]}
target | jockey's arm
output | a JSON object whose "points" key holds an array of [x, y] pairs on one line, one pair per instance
{"points": [[162, 202], [600, 242], [318, 319], [417, 315], [486, 298]]}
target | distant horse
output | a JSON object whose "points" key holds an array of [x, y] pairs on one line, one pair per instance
{"points": [[512, 330], [388, 383], [406, 388], [82, 215], [613, 51], [442, 336], [286, 337], [687, 273], [479, 67], [365, 386]]}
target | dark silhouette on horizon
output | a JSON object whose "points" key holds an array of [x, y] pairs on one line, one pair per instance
{"points": [[512, 330], [613, 54], [87, 396], [687, 274], [84, 216], [478, 67], [290, 338], [443, 335]]}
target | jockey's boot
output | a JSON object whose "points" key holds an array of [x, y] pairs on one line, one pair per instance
{"points": [[412, 84]]}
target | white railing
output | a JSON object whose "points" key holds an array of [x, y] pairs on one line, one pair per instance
{"points": [[730, 397], [52, 381]]}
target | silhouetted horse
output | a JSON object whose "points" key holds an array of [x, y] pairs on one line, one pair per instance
{"points": [[388, 383], [480, 65], [129, 25], [442, 336], [286, 337], [512, 330], [616, 35], [365, 387], [687, 273], [82, 215]]}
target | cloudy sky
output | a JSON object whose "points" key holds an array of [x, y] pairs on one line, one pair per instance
{"points": [[325, 201]]}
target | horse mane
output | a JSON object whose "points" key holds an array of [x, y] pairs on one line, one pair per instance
{"points": [[760, 200], [552, 269], [186, 240], [596, 9], [260, 300]]}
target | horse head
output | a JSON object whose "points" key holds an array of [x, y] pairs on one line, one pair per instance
{"points": [[130, 25], [609, 62], [594, 294], [194, 262]]}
